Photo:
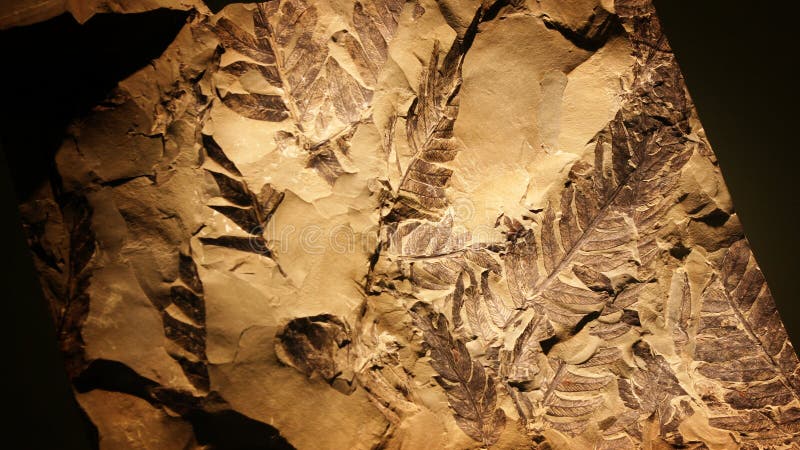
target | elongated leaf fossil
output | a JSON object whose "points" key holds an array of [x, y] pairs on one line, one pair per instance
{"points": [[739, 320], [470, 390]]}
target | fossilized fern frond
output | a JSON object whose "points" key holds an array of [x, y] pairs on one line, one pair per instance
{"points": [[470, 391], [249, 211], [611, 211], [289, 50], [419, 225], [573, 394], [186, 327], [599, 226], [739, 322], [649, 392], [429, 130], [71, 303]]}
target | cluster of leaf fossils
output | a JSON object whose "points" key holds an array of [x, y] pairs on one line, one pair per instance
{"points": [[324, 102], [420, 238], [184, 313], [647, 151], [575, 276], [555, 272], [610, 213], [417, 224]]}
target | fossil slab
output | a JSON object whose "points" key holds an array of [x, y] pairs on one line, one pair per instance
{"points": [[441, 224]]}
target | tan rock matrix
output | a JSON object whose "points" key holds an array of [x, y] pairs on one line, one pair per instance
{"points": [[433, 224]]}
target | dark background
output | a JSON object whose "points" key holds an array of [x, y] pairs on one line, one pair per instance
{"points": [[738, 60]]}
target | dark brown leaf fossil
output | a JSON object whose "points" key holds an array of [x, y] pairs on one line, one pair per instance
{"points": [[324, 102], [470, 390], [249, 211]]}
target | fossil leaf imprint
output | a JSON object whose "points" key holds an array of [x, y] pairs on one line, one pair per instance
{"points": [[323, 100], [738, 320], [470, 390], [249, 211]]}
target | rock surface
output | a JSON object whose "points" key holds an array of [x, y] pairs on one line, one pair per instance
{"points": [[439, 224]]}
